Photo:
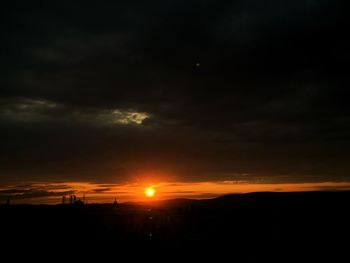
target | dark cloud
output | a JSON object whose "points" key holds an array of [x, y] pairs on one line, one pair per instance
{"points": [[101, 190], [32, 191], [103, 91]]}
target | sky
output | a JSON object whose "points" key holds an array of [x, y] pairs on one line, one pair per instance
{"points": [[214, 97]]}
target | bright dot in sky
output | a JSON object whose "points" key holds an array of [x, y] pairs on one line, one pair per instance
{"points": [[149, 192]]}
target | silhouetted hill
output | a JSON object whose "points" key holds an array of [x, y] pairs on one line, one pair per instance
{"points": [[248, 218]]}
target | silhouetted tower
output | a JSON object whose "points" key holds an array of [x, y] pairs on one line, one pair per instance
{"points": [[74, 199], [115, 203], [63, 199], [71, 199], [8, 201]]}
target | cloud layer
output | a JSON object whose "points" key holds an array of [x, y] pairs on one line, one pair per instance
{"points": [[185, 90]]}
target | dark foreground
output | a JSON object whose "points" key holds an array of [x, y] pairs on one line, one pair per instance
{"points": [[258, 218]]}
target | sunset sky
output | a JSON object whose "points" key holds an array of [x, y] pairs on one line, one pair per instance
{"points": [[197, 98]]}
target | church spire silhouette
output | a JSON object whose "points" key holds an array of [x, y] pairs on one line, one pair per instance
{"points": [[115, 203]]}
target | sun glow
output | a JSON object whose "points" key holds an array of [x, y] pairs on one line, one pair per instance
{"points": [[149, 192], [138, 192]]}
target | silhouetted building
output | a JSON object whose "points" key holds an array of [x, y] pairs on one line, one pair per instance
{"points": [[73, 200], [115, 203]]}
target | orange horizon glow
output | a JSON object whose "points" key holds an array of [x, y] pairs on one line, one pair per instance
{"points": [[136, 192]]}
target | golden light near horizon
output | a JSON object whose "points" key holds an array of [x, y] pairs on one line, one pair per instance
{"points": [[150, 192]]}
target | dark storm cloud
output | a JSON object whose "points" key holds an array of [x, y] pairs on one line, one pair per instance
{"points": [[269, 97]]}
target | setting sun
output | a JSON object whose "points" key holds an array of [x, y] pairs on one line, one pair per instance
{"points": [[149, 192]]}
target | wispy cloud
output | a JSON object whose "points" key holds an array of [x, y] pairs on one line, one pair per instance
{"points": [[32, 191], [34, 110]]}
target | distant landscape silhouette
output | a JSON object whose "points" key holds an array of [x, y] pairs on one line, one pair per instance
{"points": [[255, 217]]}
